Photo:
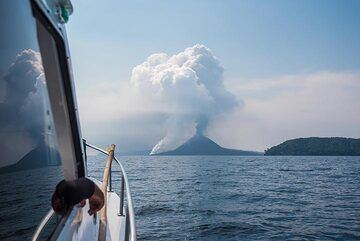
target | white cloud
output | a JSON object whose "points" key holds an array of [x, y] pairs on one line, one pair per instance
{"points": [[189, 88], [167, 97]]}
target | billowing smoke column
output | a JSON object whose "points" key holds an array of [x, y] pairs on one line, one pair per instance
{"points": [[21, 106], [189, 88]]}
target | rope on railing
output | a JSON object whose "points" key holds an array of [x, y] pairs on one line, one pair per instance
{"points": [[104, 185]]}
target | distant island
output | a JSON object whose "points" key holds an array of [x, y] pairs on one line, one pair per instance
{"points": [[37, 158], [201, 145], [317, 146]]}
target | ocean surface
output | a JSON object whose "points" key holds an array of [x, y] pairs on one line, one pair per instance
{"points": [[242, 198], [210, 197], [24, 200]]}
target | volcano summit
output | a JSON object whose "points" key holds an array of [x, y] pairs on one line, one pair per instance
{"points": [[201, 145]]}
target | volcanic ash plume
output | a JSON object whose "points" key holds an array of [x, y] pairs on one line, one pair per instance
{"points": [[188, 87], [21, 106]]}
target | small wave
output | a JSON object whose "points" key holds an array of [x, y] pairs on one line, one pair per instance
{"points": [[207, 212], [323, 169], [154, 209], [337, 176], [180, 192], [19, 232], [25, 230], [254, 199], [235, 196], [181, 179], [295, 170], [229, 228], [249, 198], [288, 190]]}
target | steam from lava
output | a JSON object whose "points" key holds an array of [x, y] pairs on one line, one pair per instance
{"points": [[189, 86]]}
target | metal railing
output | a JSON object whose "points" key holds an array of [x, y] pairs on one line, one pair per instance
{"points": [[130, 217], [130, 228], [42, 225]]}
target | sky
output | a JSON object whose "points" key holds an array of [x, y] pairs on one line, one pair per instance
{"points": [[293, 67]]}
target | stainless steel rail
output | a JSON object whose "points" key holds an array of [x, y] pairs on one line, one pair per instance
{"points": [[124, 180], [42, 225]]}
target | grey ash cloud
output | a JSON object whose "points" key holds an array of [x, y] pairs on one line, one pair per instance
{"points": [[22, 106]]}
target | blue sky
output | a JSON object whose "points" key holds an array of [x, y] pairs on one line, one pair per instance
{"points": [[252, 38], [257, 43]]}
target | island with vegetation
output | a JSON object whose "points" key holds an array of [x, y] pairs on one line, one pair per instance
{"points": [[317, 146]]}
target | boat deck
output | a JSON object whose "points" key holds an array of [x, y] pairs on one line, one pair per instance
{"points": [[81, 226], [116, 223]]}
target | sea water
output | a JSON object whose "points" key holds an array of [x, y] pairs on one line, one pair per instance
{"points": [[242, 197], [211, 197]]}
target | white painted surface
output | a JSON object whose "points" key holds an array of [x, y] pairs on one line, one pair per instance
{"points": [[116, 224], [80, 226]]}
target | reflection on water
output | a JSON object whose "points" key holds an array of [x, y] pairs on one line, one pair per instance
{"points": [[25, 199], [243, 198]]}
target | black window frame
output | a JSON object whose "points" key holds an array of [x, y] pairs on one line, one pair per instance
{"points": [[63, 57]]}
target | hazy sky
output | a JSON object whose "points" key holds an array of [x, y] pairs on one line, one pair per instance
{"points": [[293, 66]]}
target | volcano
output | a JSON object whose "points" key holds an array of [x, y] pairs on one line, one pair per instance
{"points": [[201, 145]]}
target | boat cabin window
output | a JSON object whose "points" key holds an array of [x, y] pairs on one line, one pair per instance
{"points": [[30, 163]]}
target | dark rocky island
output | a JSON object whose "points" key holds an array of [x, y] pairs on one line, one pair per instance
{"points": [[201, 145], [317, 146], [41, 156]]}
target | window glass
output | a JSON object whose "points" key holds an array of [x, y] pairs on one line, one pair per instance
{"points": [[29, 157]]}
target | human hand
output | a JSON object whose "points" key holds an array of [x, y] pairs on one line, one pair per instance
{"points": [[82, 203], [96, 201]]}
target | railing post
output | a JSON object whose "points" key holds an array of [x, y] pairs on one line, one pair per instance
{"points": [[110, 181], [85, 154], [127, 225], [122, 190]]}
